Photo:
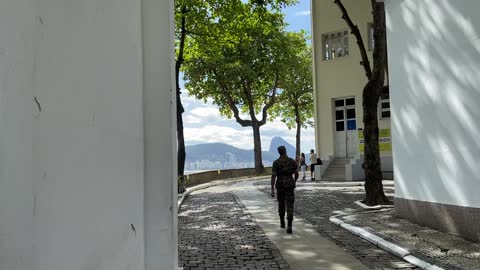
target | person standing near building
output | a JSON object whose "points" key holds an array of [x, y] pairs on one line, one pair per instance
{"points": [[303, 166], [284, 178], [313, 160]]}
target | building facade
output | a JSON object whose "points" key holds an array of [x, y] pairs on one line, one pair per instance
{"points": [[434, 53], [338, 84], [87, 167]]}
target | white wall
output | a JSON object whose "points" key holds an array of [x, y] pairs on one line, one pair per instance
{"points": [[434, 55], [73, 168], [16, 190], [160, 142]]}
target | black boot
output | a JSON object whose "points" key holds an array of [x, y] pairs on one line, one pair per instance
{"points": [[289, 228], [282, 222]]}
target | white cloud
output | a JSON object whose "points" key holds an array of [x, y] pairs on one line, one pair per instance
{"points": [[241, 138], [302, 13], [204, 124], [208, 113]]}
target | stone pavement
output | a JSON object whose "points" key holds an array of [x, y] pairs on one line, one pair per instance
{"points": [[216, 233], [315, 204], [305, 248], [444, 250]]}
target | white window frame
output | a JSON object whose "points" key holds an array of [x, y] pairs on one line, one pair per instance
{"points": [[335, 45]]}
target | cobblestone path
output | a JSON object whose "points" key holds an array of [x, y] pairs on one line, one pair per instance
{"points": [[215, 232], [315, 205]]}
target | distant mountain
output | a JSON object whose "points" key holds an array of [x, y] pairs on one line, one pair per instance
{"points": [[222, 156], [278, 141], [217, 152]]}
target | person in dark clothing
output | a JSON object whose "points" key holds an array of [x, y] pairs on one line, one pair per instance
{"points": [[283, 171], [319, 162]]}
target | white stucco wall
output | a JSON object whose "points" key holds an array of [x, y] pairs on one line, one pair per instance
{"points": [[73, 170], [434, 55]]}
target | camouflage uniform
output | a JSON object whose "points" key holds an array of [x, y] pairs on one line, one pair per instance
{"points": [[284, 168]]}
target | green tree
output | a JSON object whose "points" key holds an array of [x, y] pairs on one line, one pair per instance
{"points": [[295, 103], [240, 61], [371, 95], [189, 19]]}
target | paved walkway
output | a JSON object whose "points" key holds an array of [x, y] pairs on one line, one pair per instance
{"points": [[216, 233], [236, 227], [305, 249], [315, 204]]}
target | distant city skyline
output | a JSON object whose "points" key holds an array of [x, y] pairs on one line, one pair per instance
{"points": [[204, 124]]}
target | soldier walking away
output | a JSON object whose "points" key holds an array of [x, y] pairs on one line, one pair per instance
{"points": [[283, 171]]}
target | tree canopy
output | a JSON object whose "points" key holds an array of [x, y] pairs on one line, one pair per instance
{"points": [[240, 59]]}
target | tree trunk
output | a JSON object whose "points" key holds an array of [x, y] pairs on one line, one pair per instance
{"points": [[297, 138], [373, 170], [371, 94], [257, 148], [299, 130], [181, 155]]}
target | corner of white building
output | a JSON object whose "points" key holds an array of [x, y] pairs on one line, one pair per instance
{"points": [[87, 167], [434, 55]]}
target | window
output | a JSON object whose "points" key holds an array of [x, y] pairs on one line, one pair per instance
{"points": [[340, 126], [371, 41], [384, 104], [335, 45], [339, 103], [350, 101]]}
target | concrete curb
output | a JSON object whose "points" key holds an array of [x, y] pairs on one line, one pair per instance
{"points": [[376, 207], [384, 244], [386, 184], [213, 184]]}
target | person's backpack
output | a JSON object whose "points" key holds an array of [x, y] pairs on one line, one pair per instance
{"points": [[319, 161]]}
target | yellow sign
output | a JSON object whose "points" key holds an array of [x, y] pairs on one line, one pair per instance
{"points": [[385, 140]]}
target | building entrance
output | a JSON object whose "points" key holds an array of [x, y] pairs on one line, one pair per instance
{"points": [[346, 138]]}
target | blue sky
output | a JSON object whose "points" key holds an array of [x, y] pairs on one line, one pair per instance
{"points": [[204, 124]]}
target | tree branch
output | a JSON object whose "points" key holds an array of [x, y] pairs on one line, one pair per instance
{"points": [[354, 31], [248, 95], [232, 105], [271, 102]]}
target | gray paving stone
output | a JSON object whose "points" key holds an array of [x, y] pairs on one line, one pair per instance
{"points": [[315, 205], [216, 233]]}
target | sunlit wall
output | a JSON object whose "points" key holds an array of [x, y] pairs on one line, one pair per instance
{"points": [[86, 164], [434, 61]]}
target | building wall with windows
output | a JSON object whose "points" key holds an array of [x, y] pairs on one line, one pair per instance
{"points": [[434, 53], [339, 79]]}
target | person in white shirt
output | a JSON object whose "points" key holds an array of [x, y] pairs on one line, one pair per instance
{"points": [[313, 161]]}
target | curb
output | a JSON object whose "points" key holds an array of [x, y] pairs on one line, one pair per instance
{"points": [[348, 184], [213, 184], [376, 207], [384, 244]]}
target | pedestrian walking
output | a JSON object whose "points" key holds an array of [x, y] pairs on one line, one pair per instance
{"points": [[303, 166], [284, 178], [313, 160]]}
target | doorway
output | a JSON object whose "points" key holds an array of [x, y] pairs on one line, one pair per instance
{"points": [[346, 138]]}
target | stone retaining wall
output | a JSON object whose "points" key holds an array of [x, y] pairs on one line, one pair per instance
{"points": [[205, 177]]}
